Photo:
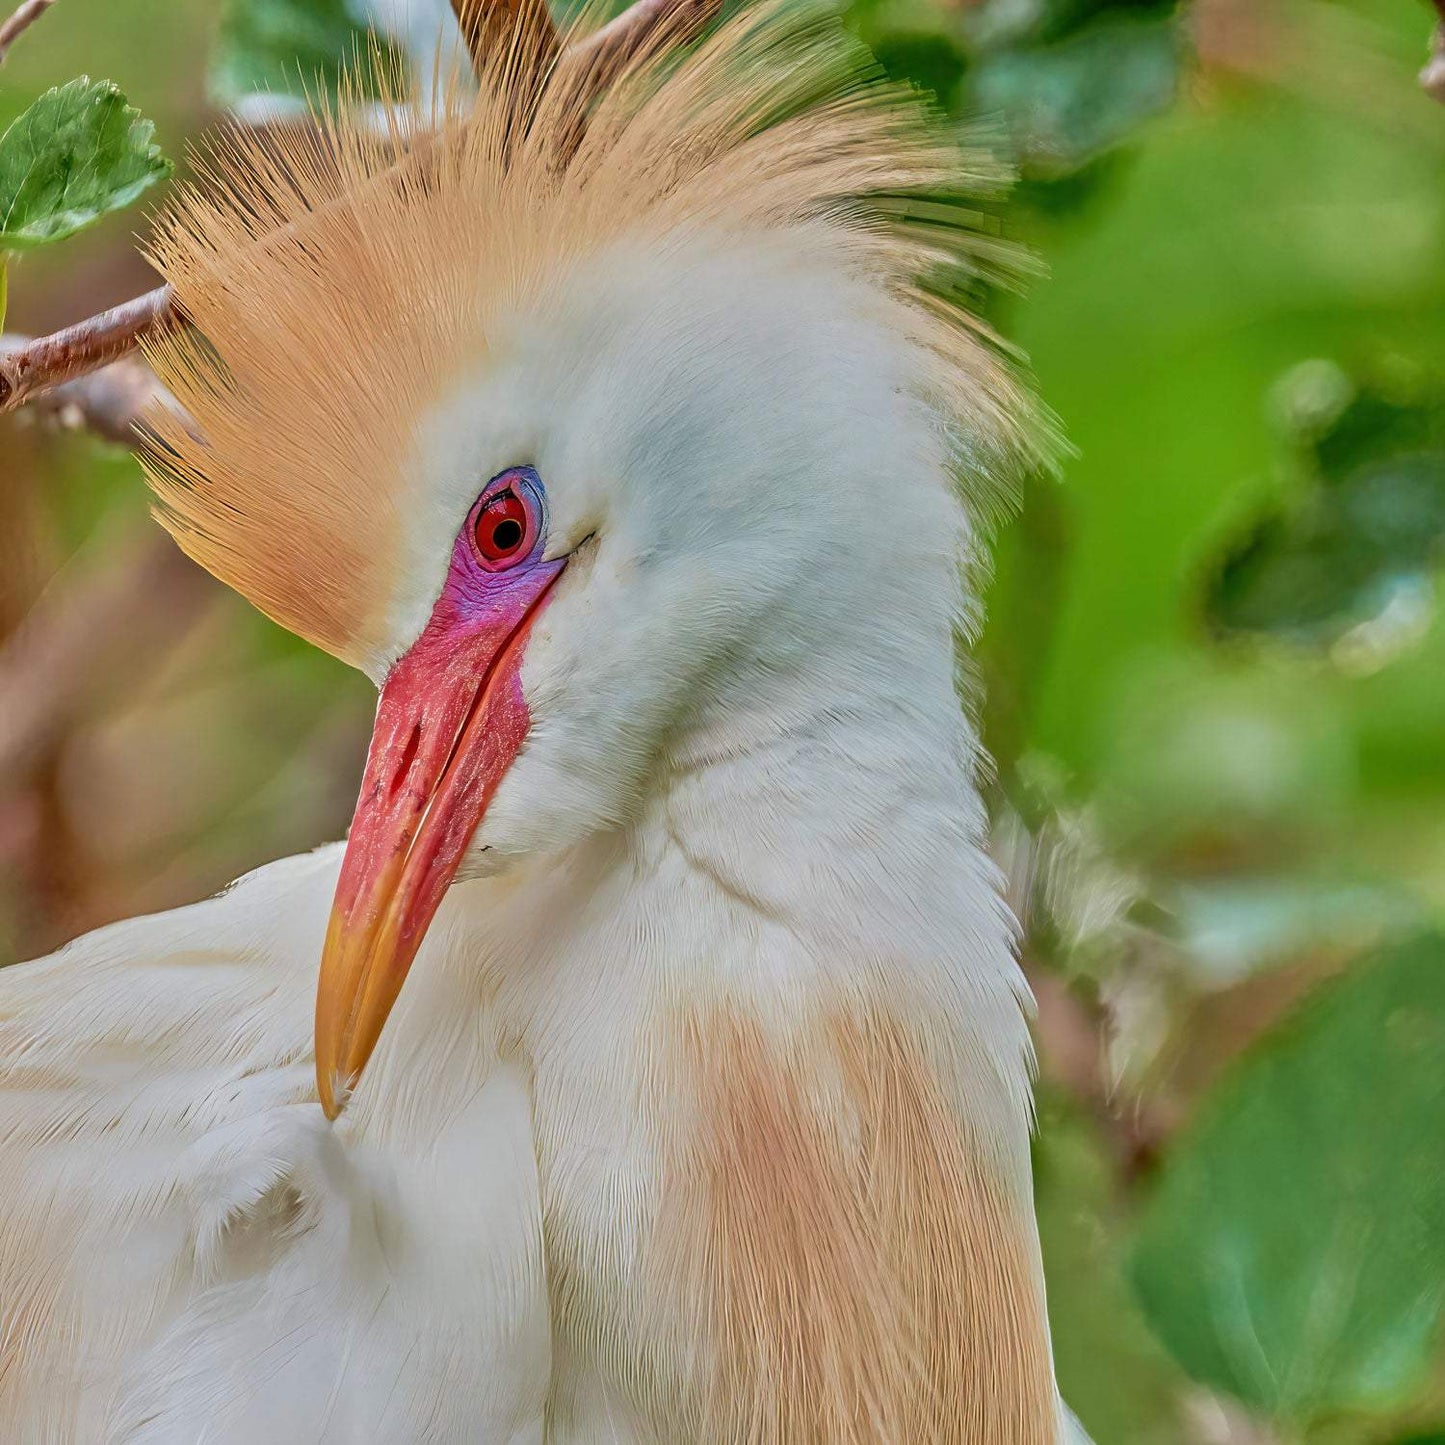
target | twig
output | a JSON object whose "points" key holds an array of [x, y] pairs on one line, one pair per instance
{"points": [[85, 347], [109, 402], [49, 361], [29, 12], [489, 24]]}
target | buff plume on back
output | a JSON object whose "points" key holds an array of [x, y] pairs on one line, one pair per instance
{"points": [[341, 278]]}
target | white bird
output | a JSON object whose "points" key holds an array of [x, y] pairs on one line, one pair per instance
{"points": [[622, 455]]}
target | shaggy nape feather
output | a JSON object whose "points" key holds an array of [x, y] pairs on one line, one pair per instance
{"points": [[339, 280]]}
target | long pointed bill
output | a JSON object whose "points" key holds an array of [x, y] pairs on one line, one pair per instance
{"points": [[450, 720]]}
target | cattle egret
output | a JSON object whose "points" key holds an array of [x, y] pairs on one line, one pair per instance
{"points": [[670, 1069]]}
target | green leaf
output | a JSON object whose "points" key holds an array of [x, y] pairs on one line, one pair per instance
{"points": [[996, 22], [917, 42], [77, 154], [298, 48], [1372, 426], [1310, 580], [1066, 103], [1291, 1252], [1359, 549]]}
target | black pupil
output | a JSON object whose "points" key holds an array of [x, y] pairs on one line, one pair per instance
{"points": [[506, 534]]}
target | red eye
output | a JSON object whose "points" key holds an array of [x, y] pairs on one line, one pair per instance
{"points": [[503, 529]]}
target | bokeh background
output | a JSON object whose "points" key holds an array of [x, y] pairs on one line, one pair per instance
{"points": [[1214, 666]]}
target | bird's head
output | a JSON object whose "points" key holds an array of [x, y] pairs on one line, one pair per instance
{"points": [[560, 420]]}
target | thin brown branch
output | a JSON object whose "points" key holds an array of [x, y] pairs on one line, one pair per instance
{"points": [[28, 370], [526, 25], [10, 31], [48, 361], [109, 402]]}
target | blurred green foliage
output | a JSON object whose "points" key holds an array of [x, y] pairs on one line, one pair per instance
{"points": [[294, 48], [1352, 560], [1066, 79], [1213, 668], [1067, 102], [1292, 1253]]}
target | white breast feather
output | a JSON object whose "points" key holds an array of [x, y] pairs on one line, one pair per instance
{"points": [[189, 1251]]}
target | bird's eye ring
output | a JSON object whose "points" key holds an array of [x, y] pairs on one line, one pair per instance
{"points": [[504, 528]]}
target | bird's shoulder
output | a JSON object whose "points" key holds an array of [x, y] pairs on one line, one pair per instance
{"points": [[189, 1247], [155, 1031], [145, 1074], [135, 975]]}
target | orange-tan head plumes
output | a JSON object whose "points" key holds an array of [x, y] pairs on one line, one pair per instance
{"points": [[338, 280]]}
